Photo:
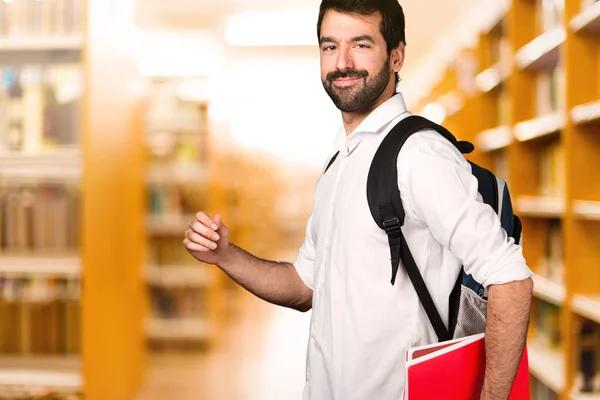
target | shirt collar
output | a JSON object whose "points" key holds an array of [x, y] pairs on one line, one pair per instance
{"points": [[372, 124]]}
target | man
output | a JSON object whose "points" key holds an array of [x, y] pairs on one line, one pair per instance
{"points": [[361, 325]]}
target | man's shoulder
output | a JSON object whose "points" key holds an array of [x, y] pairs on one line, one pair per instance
{"points": [[430, 143]]}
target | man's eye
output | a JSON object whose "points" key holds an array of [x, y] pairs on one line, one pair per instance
{"points": [[363, 46], [328, 48]]}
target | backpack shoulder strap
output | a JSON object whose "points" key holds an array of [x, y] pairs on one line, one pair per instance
{"points": [[385, 204], [383, 194]]}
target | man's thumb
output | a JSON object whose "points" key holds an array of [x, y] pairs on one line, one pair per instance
{"points": [[221, 228]]}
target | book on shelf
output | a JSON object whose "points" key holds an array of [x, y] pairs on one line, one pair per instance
{"points": [[552, 266], [40, 106], [39, 316], [547, 324], [176, 127], [539, 391], [549, 14], [178, 302], [167, 147], [501, 165], [165, 201], [503, 108], [39, 219], [168, 250], [23, 18], [551, 178], [167, 111], [169, 204], [550, 90], [587, 378], [501, 54]]}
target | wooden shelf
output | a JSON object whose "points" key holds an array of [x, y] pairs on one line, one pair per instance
{"points": [[30, 374], [37, 266], [177, 329], [495, 19], [585, 396], [587, 209], [176, 173], [543, 52], [586, 306], [546, 365], [551, 292], [177, 276], [588, 20], [41, 44], [494, 139], [539, 127], [57, 164], [538, 148], [104, 165], [586, 112], [169, 224], [534, 206], [490, 79]]}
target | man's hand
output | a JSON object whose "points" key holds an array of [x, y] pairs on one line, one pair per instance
{"points": [[207, 238], [505, 336], [276, 282]]}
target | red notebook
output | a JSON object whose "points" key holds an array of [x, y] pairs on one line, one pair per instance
{"points": [[454, 370]]}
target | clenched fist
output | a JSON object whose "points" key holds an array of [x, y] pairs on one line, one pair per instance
{"points": [[207, 238]]}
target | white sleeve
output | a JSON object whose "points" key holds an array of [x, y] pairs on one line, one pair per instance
{"points": [[439, 190], [305, 261]]}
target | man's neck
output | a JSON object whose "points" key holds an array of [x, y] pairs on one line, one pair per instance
{"points": [[353, 119]]}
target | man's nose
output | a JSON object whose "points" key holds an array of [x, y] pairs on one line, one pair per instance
{"points": [[345, 59]]}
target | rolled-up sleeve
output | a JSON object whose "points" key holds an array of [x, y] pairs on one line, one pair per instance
{"points": [[305, 261], [439, 190]]}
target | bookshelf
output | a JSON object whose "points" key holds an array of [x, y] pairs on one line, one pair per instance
{"points": [[185, 296], [70, 203], [584, 113], [549, 291], [21, 377], [37, 266], [537, 120], [42, 44]]}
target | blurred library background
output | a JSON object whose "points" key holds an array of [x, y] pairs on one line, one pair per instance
{"points": [[120, 119]]}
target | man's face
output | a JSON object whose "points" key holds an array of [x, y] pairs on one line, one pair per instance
{"points": [[355, 65]]}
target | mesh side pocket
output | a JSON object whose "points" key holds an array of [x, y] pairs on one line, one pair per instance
{"points": [[472, 313]]}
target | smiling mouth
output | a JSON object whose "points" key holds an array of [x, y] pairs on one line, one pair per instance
{"points": [[345, 81]]}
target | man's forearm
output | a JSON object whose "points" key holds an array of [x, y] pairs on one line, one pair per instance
{"points": [[506, 333], [275, 282]]}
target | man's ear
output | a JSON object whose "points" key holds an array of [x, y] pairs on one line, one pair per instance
{"points": [[397, 58]]}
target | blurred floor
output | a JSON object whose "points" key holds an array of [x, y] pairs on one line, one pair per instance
{"points": [[262, 356]]}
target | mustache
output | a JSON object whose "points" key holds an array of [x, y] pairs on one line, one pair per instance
{"points": [[348, 73]]}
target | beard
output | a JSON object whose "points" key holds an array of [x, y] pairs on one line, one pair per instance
{"points": [[361, 95]]}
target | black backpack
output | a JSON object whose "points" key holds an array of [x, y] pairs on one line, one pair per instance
{"points": [[468, 302]]}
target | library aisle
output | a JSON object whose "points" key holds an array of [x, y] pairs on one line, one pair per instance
{"points": [[121, 119], [262, 357]]}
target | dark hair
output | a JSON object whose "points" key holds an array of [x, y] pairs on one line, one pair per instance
{"points": [[392, 22]]}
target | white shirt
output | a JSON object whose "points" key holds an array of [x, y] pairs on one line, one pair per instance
{"points": [[361, 325]]}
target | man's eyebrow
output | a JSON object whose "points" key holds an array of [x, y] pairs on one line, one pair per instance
{"points": [[363, 38], [326, 39]]}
